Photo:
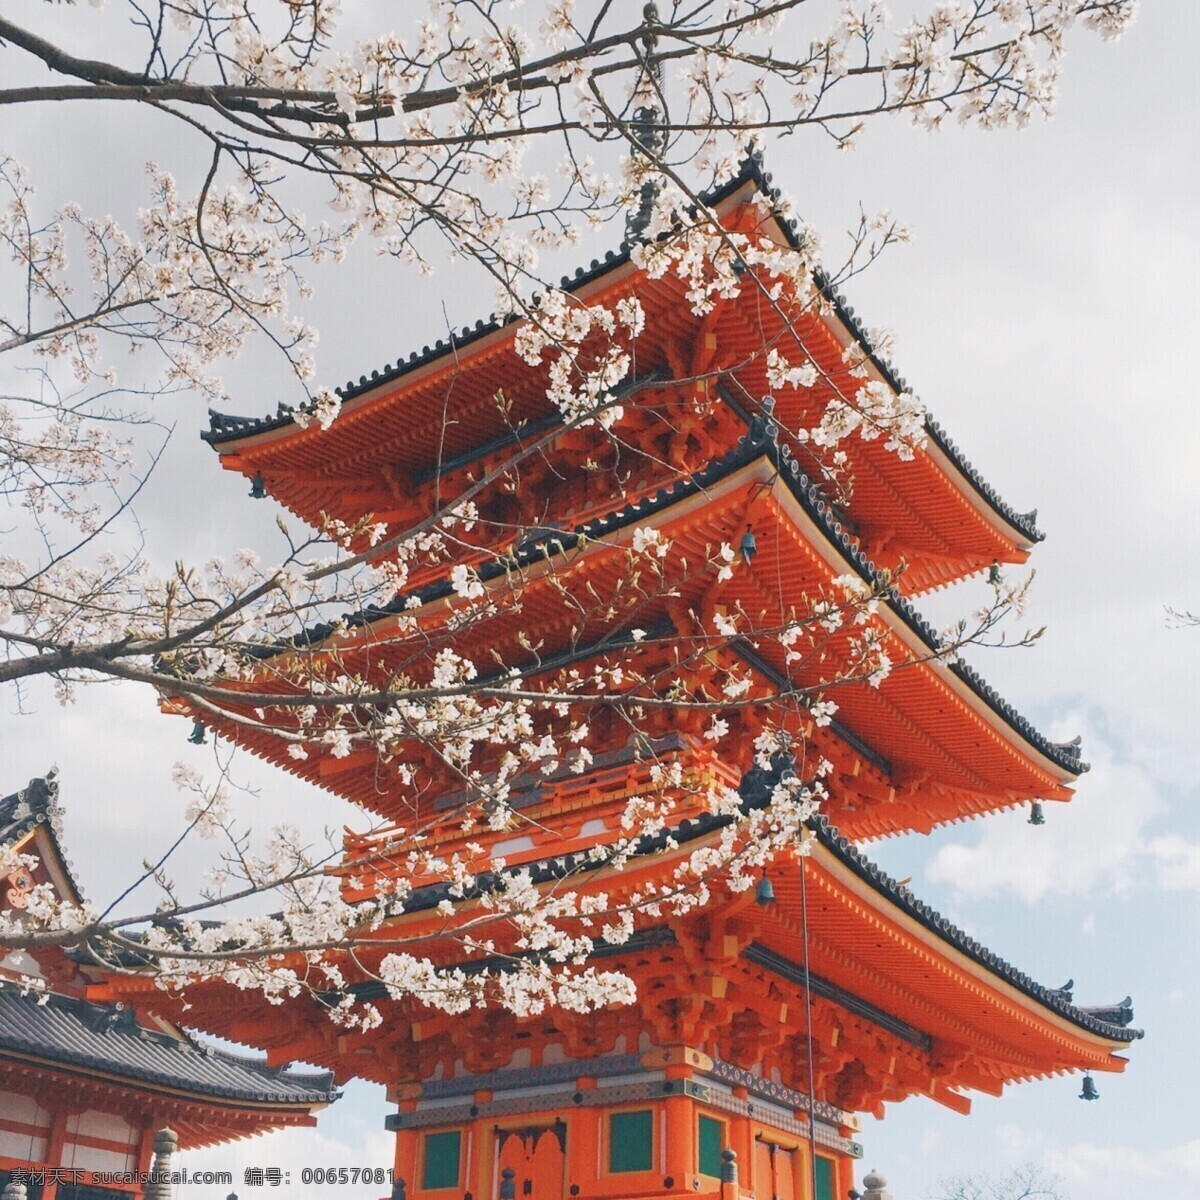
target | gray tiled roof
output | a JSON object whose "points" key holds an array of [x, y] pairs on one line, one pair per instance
{"points": [[35, 804], [224, 427], [80, 1034]]}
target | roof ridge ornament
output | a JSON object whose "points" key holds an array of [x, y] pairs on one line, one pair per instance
{"points": [[1119, 1014]]}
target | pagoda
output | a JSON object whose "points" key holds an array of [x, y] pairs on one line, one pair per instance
{"points": [[768, 1017], [84, 1085]]}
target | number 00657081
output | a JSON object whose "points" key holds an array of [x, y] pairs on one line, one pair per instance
{"points": [[340, 1175]]}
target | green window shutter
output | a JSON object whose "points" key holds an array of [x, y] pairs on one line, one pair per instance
{"points": [[630, 1141], [442, 1154], [824, 1179], [710, 1146]]}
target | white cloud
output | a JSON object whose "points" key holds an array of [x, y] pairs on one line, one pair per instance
{"points": [[1095, 842], [1108, 1172], [1105, 1171], [1178, 862]]}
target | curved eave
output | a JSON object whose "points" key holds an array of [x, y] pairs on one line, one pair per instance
{"points": [[57, 1031], [921, 916], [1023, 525], [1061, 761], [231, 434], [876, 952], [266, 1109], [357, 398], [838, 857], [1030, 1031]]}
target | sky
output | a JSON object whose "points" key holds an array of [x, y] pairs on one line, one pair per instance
{"points": [[1044, 311]]}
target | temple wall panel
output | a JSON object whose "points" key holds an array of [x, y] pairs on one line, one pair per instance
{"points": [[631, 1150], [24, 1123], [100, 1141], [80, 1157], [105, 1125], [619, 1125]]}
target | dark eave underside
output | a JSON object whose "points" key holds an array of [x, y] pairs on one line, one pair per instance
{"points": [[226, 428]]}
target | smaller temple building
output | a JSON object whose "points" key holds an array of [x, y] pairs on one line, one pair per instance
{"points": [[84, 1085]]}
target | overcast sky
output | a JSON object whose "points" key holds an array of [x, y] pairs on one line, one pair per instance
{"points": [[1046, 313]]}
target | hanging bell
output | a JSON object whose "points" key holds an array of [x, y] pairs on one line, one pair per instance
{"points": [[1036, 816], [197, 736], [994, 576], [749, 544], [764, 894], [1090, 1091], [258, 489], [767, 405]]}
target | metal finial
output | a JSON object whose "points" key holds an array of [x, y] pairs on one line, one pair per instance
{"points": [[646, 128]]}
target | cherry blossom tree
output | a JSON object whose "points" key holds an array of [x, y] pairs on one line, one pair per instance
{"points": [[1025, 1182], [481, 132]]}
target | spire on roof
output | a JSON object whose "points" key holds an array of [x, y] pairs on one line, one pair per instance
{"points": [[647, 128]]}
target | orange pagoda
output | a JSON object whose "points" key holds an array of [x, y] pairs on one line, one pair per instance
{"points": [[84, 1085], [766, 1019]]}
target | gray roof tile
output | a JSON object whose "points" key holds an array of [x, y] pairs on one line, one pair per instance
{"points": [[78, 1033]]}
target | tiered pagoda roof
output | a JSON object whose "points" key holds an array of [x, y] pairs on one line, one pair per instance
{"points": [[937, 513], [912, 1004], [934, 744], [937, 743], [830, 972]]}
